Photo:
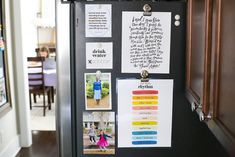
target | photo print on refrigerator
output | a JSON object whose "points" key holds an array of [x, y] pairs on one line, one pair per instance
{"points": [[98, 91], [99, 132]]}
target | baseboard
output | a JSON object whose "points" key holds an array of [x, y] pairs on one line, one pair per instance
{"points": [[12, 148]]}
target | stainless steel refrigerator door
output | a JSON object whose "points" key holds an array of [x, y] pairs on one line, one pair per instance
{"points": [[63, 75]]}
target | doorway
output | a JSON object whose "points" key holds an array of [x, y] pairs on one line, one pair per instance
{"points": [[43, 12]]}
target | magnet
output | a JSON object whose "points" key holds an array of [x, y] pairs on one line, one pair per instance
{"points": [[177, 17], [177, 23]]}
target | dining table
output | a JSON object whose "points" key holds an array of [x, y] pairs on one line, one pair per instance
{"points": [[50, 80]]}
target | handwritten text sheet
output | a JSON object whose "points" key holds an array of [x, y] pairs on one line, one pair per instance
{"points": [[146, 42]]}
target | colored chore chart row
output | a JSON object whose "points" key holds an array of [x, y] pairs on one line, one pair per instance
{"points": [[144, 112], [144, 117]]}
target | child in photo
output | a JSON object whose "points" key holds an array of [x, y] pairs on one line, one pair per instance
{"points": [[92, 134], [103, 142], [97, 87]]}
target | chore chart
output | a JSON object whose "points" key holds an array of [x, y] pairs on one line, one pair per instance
{"points": [[144, 112]]}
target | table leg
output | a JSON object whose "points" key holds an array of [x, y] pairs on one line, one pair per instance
{"points": [[34, 98], [52, 94]]}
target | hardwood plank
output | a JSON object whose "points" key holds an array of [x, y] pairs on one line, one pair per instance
{"points": [[44, 145]]}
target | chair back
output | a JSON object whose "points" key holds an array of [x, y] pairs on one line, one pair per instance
{"points": [[35, 72]]}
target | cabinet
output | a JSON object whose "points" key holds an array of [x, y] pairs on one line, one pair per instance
{"points": [[210, 65]]}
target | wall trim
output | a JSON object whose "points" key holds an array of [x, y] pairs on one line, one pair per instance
{"points": [[20, 71], [12, 148]]}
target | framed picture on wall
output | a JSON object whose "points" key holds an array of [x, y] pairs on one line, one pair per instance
{"points": [[5, 103]]}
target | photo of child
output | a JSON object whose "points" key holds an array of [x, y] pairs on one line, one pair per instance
{"points": [[103, 141], [98, 132], [97, 88], [98, 91], [92, 134]]}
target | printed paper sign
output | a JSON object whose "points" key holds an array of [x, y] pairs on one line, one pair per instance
{"points": [[146, 42], [98, 20], [99, 55], [144, 113]]}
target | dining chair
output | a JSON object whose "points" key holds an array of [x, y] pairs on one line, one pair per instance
{"points": [[36, 82]]}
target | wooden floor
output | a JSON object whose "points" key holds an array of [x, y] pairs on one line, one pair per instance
{"points": [[44, 145]]}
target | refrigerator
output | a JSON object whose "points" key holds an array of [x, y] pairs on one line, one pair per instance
{"points": [[98, 45]]}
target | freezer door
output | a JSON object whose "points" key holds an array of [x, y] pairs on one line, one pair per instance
{"points": [[63, 74]]}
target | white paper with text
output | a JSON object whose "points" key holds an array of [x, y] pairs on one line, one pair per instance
{"points": [[145, 112], [146, 42], [98, 20]]}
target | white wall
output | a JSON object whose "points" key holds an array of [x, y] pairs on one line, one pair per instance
{"points": [[47, 30], [21, 37], [48, 10], [21, 49], [9, 138], [29, 11], [20, 16]]}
